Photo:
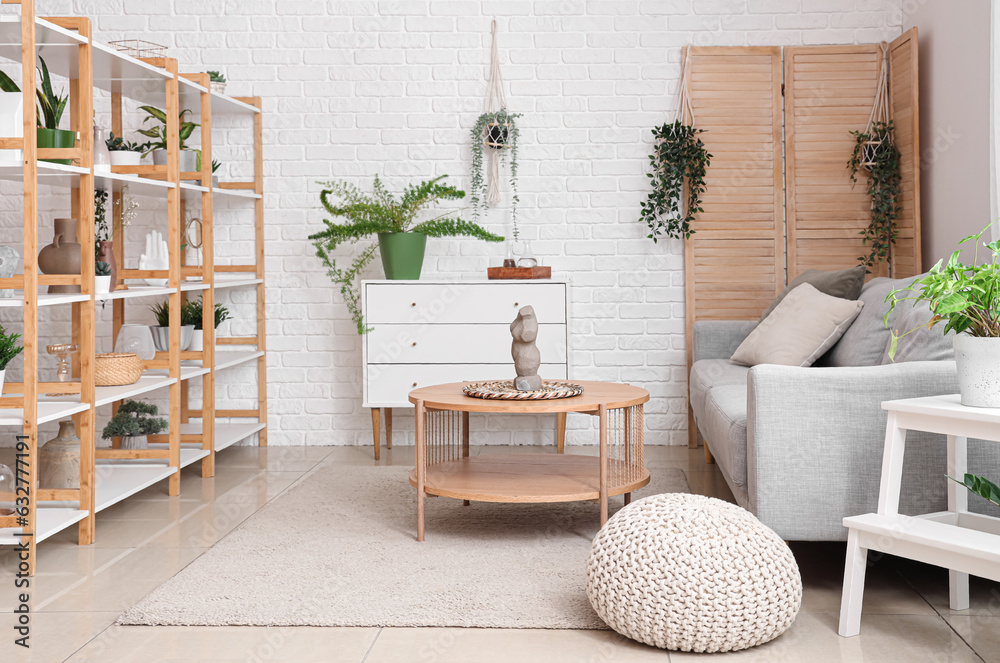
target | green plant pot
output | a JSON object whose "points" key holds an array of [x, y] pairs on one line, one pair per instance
{"points": [[56, 138], [402, 254]]}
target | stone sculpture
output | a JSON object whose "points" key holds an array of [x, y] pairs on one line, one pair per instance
{"points": [[527, 359], [8, 263]]}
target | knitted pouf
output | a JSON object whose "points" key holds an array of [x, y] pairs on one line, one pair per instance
{"points": [[692, 573]]}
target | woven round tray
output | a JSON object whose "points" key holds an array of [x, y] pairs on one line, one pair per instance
{"points": [[504, 390], [117, 368]]}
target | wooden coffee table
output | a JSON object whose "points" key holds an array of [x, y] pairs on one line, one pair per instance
{"points": [[444, 467]]}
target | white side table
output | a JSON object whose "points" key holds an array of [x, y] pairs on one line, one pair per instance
{"points": [[965, 543]]}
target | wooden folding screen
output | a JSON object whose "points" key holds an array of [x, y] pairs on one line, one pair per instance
{"points": [[904, 101]]}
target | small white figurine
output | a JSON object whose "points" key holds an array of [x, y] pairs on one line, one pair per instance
{"points": [[157, 256]]}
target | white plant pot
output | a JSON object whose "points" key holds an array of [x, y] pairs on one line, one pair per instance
{"points": [[135, 442], [159, 157], [125, 158], [102, 284], [161, 337], [2, 374], [218, 87], [11, 125], [978, 362], [197, 340], [189, 161]]}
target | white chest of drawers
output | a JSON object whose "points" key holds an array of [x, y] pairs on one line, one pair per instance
{"points": [[430, 332]]}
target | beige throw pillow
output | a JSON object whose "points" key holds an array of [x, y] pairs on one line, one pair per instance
{"points": [[803, 326]]}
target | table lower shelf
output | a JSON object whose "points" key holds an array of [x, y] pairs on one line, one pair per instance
{"points": [[528, 478]]}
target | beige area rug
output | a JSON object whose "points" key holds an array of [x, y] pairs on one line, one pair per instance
{"points": [[339, 549]]}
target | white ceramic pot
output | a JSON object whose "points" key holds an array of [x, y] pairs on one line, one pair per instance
{"points": [[197, 340], [11, 125], [159, 157], [218, 87], [102, 284], [161, 337], [135, 442], [2, 374], [125, 158], [189, 161], [187, 333], [978, 362]]}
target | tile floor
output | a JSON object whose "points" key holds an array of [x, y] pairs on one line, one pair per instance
{"points": [[80, 591]]}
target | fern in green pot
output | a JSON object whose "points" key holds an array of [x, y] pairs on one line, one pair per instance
{"points": [[393, 219]]}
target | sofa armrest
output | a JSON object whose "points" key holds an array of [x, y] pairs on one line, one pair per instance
{"points": [[815, 439], [718, 339]]}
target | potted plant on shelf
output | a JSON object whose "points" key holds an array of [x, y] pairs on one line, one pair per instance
{"points": [[193, 315], [495, 135], [133, 423], [123, 153], [158, 146], [102, 277], [215, 178], [50, 110], [161, 331], [218, 81], [875, 152], [9, 349], [967, 299], [401, 239]]}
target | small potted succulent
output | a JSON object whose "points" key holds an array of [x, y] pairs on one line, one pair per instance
{"points": [[133, 423], [123, 152], [218, 81], [161, 331], [967, 299], [193, 314], [215, 178], [158, 146], [9, 349], [102, 278]]}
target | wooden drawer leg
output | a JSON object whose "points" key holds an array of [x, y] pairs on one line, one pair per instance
{"points": [[376, 433], [709, 458], [388, 428], [560, 431]]}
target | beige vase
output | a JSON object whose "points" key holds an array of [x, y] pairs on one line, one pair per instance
{"points": [[62, 256], [59, 459]]}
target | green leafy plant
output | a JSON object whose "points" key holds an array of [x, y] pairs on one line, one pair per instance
{"points": [[159, 132], [9, 349], [118, 144], [494, 131], [369, 214], [876, 153], [102, 268], [50, 104], [216, 77], [134, 419], [981, 486], [678, 156], [216, 165], [102, 231], [194, 311], [161, 311], [966, 297]]}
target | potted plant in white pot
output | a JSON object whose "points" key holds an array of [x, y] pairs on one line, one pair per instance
{"points": [[967, 299], [9, 349], [401, 238], [158, 146], [218, 81], [102, 277], [133, 423], [123, 152], [50, 111], [193, 315], [161, 331]]}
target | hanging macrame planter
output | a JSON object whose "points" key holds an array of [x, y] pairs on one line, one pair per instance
{"points": [[679, 158], [496, 130], [877, 141]]}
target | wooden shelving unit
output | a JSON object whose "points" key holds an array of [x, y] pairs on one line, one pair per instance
{"points": [[109, 475]]}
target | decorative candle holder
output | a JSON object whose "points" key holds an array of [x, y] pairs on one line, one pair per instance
{"points": [[63, 352]]}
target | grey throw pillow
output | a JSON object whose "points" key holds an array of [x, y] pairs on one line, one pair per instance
{"points": [[924, 344], [865, 342], [804, 325], [844, 284]]}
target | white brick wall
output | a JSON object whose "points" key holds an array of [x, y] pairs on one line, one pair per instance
{"points": [[352, 88]]}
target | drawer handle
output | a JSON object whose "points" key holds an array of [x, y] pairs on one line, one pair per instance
{"points": [[413, 304], [414, 344], [516, 304], [414, 384]]}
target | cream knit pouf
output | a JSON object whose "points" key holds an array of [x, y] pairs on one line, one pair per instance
{"points": [[692, 573]]}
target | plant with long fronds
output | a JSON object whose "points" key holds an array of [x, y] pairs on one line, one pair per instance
{"points": [[369, 214], [50, 104], [158, 132]]}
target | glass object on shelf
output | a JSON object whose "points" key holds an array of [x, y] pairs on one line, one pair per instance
{"points": [[62, 351], [510, 259], [136, 339], [526, 257], [102, 157], [8, 501]]}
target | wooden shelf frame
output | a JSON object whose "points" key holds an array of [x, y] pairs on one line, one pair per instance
{"points": [[90, 65]]}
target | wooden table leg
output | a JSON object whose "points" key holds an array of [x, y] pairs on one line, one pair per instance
{"points": [[603, 414], [465, 443], [421, 470], [376, 433], [388, 428], [560, 431]]}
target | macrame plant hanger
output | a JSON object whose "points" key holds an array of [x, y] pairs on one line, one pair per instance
{"points": [[495, 100], [683, 99], [880, 109]]}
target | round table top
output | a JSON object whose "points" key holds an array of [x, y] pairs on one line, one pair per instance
{"points": [[611, 394]]}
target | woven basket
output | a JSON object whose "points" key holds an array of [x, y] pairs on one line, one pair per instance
{"points": [[117, 368]]}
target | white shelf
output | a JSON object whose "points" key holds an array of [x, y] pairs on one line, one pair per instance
{"points": [[189, 455], [55, 174], [229, 282], [150, 381], [47, 411], [188, 286], [236, 193], [136, 291], [49, 521], [57, 45], [44, 299], [226, 434], [226, 104], [188, 186], [115, 480], [105, 179], [229, 359]]}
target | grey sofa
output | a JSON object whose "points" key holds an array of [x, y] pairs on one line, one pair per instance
{"points": [[801, 448]]}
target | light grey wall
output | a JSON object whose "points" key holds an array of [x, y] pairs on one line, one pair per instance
{"points": [[954, 120]]}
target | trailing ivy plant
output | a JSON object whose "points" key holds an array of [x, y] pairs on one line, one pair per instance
{"points": [[368, 214], [498, 128], [876, 153], [678, 156]]}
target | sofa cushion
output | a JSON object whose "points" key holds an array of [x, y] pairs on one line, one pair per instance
{"points": [[724, 427], [844, 283], [709, 373], [923, 344], [800, 329], [865, 341]]}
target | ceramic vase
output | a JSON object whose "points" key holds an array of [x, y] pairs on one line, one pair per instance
{"points": [[8, 488], [978, 363], [9, 258], [135, 442], [59, 459], [197, 340], [125, 158], [62, 256], [106, 253]]}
